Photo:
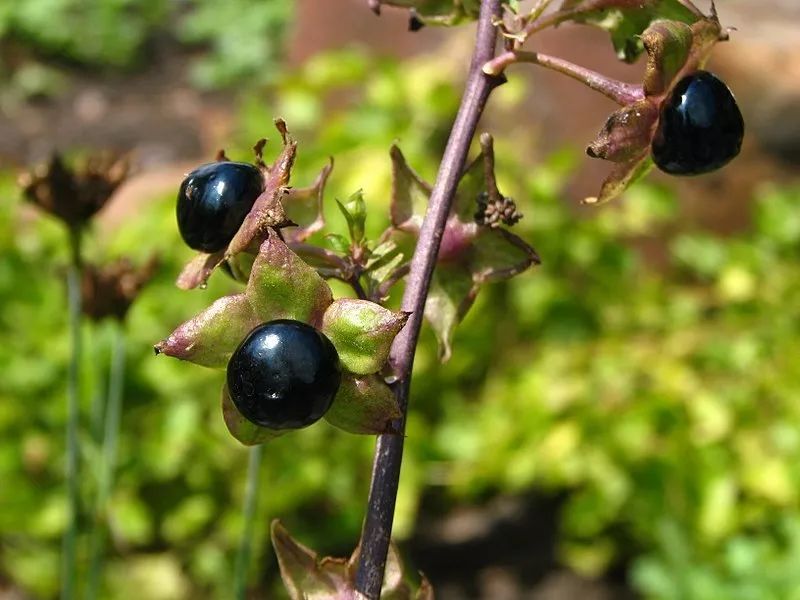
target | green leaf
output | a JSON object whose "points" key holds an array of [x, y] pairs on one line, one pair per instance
{"points": [[625, 20], [210, 338], [498, 254], [338, 242], [246, 432], [385, 267], [355, 213], [382, 254], [363, 405], [283, 286], [362, 332], [440, 12]]}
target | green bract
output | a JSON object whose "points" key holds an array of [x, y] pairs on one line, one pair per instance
{"points": [[470, 254], [282, 286]]}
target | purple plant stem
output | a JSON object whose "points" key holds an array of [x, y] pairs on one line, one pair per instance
{"points": [[389, 450], [620, 92]]}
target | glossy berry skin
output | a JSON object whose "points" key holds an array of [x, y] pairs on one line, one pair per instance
{"points": [[213, 201], [284, 375], [700, 128]]}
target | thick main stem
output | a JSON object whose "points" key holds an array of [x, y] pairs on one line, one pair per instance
{"points": [[69, 546], [389, 450]]}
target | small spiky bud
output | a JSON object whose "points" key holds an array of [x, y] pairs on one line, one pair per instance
{"points": [[494, 212]]}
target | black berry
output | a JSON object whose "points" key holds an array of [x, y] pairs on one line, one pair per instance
{"points": [[700, 128], [284, 375], [213, 201]]}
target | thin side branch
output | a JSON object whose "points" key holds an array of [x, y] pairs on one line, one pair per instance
{"points": [[620, 92], [389, 451]]}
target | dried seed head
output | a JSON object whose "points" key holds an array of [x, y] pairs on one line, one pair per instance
{"points": [[74, 195], [109, 291]]}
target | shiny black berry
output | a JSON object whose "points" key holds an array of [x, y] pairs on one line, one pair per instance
{"points": [[213, 201], [700, 128], [284, 375]]}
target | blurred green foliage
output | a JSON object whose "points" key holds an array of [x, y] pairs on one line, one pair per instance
{"points": [[242, 40], [659, 398]]}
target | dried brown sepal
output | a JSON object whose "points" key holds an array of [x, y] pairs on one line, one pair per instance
{"points": [[309, 577], [304, 206], [627, 132], [267, 213], [109, 291], [304, 574], [197, 271], [74, 195]]}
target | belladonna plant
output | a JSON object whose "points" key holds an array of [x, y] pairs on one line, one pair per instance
{"points": [[294, 354]]}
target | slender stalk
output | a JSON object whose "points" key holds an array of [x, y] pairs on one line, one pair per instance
{"points": [[249, 513], [620, 92], [389, 451], [550, 20], [355, 283], [69, 563], [99, 393], [108, 458]]}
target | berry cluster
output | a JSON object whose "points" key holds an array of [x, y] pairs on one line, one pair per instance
{"points": [[284, 374]]}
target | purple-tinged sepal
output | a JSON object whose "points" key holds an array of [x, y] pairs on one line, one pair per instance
{"points": [[363, 405]]}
